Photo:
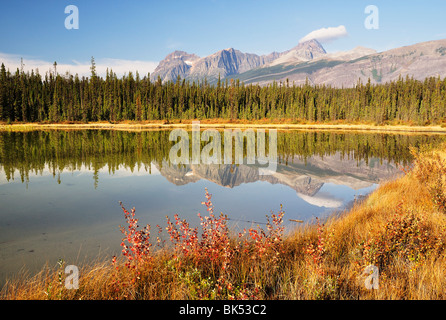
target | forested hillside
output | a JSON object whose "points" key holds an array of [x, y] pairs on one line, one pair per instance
{"points": [[54, 97]]}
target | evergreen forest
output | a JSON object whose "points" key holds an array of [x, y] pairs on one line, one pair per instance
{"points": [[53, 97]]}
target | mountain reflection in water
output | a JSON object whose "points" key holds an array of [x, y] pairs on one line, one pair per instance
{"points": [[59, 189], [306, 177]]}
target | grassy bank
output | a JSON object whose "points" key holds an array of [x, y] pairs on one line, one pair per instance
{"points": [[281, 124], [400, 228]]}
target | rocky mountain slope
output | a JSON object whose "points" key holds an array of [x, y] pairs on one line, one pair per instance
{"points": [[175, 64], [224, 63], [422, 60], [309, 60], [303, 52], [229, 62]]}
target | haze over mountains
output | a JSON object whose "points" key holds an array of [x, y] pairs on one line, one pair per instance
{"points": [[309, 60]]}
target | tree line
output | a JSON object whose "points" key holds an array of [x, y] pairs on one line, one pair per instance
{"points": [[32, 97], [26, 153]]}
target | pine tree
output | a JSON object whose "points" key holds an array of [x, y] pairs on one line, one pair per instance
{"points": [[3, 94], [138, 106]]}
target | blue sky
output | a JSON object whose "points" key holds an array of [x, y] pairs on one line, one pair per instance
{"points": [[138, 34]]}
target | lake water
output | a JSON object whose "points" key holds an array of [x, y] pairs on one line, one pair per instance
{"points": [[60, 190]]}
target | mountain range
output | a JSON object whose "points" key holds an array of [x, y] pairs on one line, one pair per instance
{"points": [[308, 61]]}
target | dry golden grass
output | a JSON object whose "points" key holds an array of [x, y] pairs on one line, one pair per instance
{"points": [[400, 228], [280, 124]]}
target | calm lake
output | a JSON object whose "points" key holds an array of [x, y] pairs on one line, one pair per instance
{"points": [[60, 190]]}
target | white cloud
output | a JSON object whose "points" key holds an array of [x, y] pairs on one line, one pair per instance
{"points": [[326, 34], [119, 66]]}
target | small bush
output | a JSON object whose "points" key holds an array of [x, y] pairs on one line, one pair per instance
{"points": [[406, 237], [208, 263]]}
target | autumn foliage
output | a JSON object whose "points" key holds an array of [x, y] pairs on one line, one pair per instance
{"points": [[400, 229]]}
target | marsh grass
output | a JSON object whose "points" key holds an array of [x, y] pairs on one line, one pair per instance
{"points": [[400, 228], [402, 127]]}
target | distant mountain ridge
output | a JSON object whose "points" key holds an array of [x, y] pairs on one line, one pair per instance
{"points": [[309, 61], [175, 64], [223, 63], [227, 62]]}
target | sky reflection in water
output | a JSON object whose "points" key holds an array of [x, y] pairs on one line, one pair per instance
{"points": [[75, 214]]}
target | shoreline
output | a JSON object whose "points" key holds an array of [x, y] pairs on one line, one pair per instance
{"points": [[147, 126], [399, 227], [379, 221]]}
